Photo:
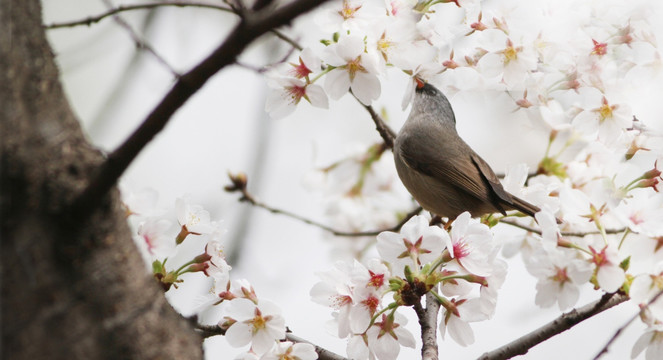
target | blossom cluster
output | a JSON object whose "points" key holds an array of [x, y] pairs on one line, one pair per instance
{"points": [[571, 69], [190, 242], [361, 192], [460, 268]]}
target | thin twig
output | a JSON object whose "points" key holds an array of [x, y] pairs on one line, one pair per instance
{"points": [[614, 337], [122, 8], [249, 28], [249, 198], [563, 233], [141, 43], [285, 38], [323, 354], [265, 68], [566, 321], [94, 19]]}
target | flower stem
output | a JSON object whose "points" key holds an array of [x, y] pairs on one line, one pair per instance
{"points": [[325, 71], [180, 270], [626, 232]]}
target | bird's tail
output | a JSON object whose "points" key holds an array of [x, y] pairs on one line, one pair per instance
{"points": [[524, 207], [527, 208]]}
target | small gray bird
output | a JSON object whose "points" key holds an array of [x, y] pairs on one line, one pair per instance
{"points": [[440, 170]]}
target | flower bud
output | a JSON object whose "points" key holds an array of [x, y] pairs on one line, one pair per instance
{"points": [[645, 183], [239, 182], [653, 173]]}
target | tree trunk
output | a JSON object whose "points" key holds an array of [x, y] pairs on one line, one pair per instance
{"points": [[71, 288]]}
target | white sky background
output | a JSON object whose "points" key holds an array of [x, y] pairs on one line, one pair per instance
{"points": [[112, 88]]}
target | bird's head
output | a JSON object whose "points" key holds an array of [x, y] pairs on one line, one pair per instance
{"points": [[430, 100]]}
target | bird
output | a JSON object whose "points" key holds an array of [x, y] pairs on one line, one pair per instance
{"points": [[440, 170]]}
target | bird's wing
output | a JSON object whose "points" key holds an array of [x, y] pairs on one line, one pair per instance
{"points": [[491, 178], [457, 166]]}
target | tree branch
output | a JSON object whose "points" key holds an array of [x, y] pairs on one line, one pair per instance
{"points": [[122, 8], [250, 28], [53, 264], [566, 321], [249, 198], [563, 233], [142, 44], [387, 134], [614, 337], [323, 354], [428, 322], [210, 330]]}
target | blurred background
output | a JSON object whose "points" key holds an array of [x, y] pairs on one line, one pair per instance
{"points": [[112, 86]]}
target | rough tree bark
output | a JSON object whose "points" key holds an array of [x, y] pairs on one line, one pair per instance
{"points": [[71, 288]]}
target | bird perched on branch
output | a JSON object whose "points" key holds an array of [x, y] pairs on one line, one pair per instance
{"points": [[440, 170]]}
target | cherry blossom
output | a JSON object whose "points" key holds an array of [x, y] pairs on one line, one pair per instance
{"points": [[513, 62], [472, 245], [336, 291], [415, 245], [645, 287], [217, 268], [559, 276], [536, 192], [387, 335], [369, 286], [193, 219], [609, 275], [357, 347], [287, 350], [247, 356], [307, 64], [142, 203], [642, 213], [354, 69], [457, 316], [154, 232], [258, 324], [652, 341], [606, 121], [283, 100], [348, 15]]}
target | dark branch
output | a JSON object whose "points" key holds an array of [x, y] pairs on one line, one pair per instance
{"points": [[566, 321], [388, 135], [385, 132], [250, 27]]}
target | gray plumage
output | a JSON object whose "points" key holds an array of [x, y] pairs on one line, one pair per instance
{"points": [[440, 170]]}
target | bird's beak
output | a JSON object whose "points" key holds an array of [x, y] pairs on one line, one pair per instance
{"points": [[419, 82]]}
